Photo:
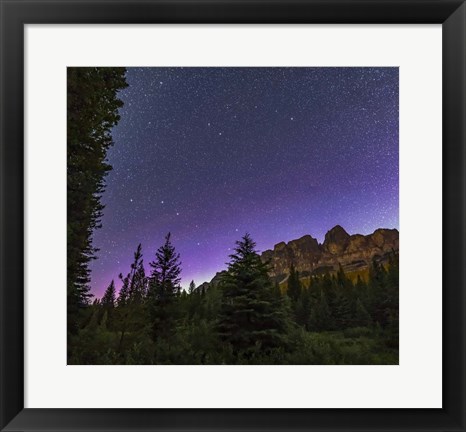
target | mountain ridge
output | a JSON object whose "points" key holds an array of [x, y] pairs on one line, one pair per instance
{"points": [[353, 252]]}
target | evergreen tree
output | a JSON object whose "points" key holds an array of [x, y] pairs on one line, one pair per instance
{"points": [[389, 298], [251, 316], [303, 308], [92, 111], [342, 311], [192, 287], [108, 299], [362, 318], [321, 317], [134, 284], [137, 282], [276, 290], [377, 292], [294, 284], [164, 288], [130, 299], [107, 304], [392, 301], [123, 294], [342, 280]]}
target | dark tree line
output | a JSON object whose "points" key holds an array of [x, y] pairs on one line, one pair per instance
{"points": [[245, 318], [334, 302], [92, 110]]}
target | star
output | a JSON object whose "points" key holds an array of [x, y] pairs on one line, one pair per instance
{"points": [[204, 143]]}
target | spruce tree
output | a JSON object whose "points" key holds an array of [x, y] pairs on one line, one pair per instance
{"points": [[108, 299], [92, 111], [362, 318], [137, 283], [276, 290], [192, 287], [342, 280], [164, 288], [131, 296], [321, 317], [294, 284], [123, 294], [342, 311], [251, 315], [392, 293], [303, 308], [377, 292], [107, 304]]}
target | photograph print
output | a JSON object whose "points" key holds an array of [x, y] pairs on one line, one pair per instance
{"points": [[232, 215]]}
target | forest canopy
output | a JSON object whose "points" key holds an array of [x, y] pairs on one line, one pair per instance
{"points": [[245, 318]]}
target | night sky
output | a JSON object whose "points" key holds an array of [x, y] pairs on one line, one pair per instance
{"points": [[211, 153]]}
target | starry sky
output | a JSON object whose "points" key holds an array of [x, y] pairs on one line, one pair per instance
{"points": [[211, 153]]}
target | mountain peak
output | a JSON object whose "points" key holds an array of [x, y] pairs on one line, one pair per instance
{"points": [[353, 252], [337, 229], [336, 240]]}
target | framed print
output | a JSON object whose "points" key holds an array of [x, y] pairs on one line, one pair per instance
{"points": [[223, 215]]}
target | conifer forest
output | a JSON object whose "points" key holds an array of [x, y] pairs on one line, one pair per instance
{"points": [[172, 288]]}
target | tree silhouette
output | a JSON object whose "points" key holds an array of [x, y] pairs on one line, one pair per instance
{"points": [[108, 299], [252, 317], [192, 287], [92, 110], [164, 287]]}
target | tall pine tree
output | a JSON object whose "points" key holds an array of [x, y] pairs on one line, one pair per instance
{"points": [[164, 288], [108, 299], [294, 284], [192, 287], [92, 111], [131, 296], [252, 315]]}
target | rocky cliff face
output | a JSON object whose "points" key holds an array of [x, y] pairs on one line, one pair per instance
{"points": [[339, 248]]}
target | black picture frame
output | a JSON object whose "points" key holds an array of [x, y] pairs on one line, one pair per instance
{"points": [[16, 13]]}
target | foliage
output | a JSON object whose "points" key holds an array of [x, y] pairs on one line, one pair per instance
{"points": [[244, 319], [92, 110], [251, 318], [164, 290]]}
